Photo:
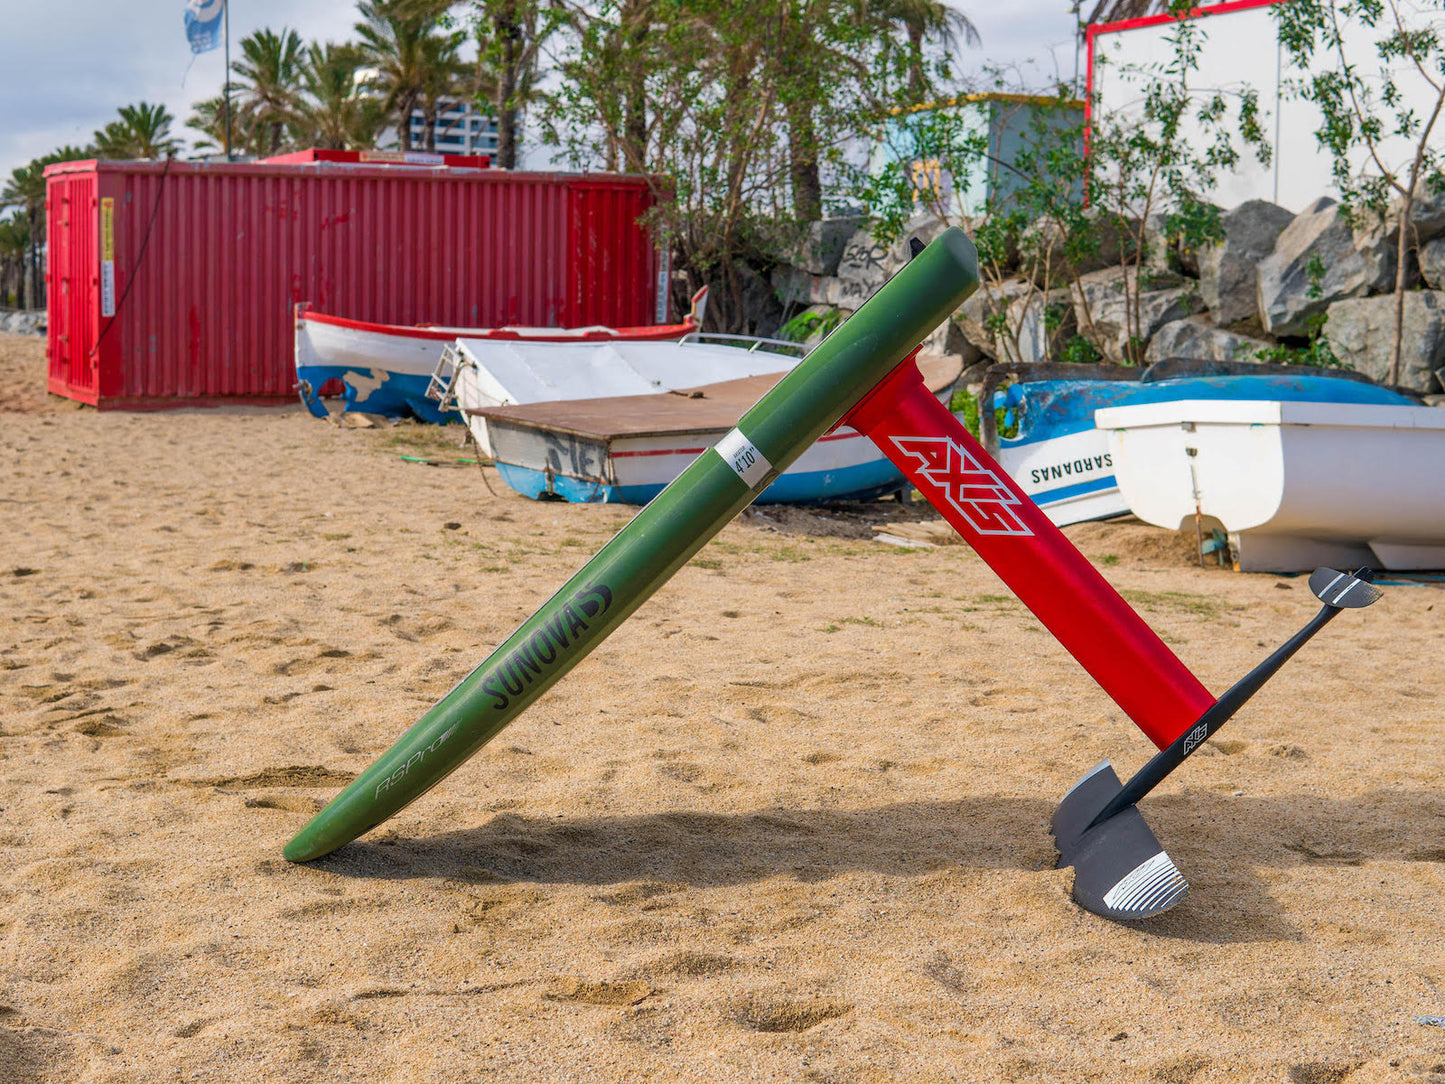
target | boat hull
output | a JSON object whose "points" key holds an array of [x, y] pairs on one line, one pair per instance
{"points": [[540, 464], [386, 369], [1295, 485], [1064, 463], [495, 374]]}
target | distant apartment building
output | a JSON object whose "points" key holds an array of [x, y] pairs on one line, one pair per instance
{"points": [[460, 129]]}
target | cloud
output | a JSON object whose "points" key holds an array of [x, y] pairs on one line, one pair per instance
{"points": [[68, 68], [1034, 38]]}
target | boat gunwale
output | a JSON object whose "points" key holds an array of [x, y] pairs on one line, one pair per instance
{"points": [[592, 333]]}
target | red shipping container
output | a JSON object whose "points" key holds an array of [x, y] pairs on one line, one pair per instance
{"points": [[172, 284]]}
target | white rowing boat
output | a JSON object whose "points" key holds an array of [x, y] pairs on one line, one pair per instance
{"points": [[1296, 485]]}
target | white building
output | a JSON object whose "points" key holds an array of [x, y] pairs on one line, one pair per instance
{"points": [[460, 129], [1240, 49]]}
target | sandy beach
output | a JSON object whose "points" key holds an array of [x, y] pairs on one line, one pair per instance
{"points": [[788, 824]]}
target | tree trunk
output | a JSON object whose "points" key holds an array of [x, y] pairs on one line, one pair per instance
{"points": [[1402, 251], [508, 32], [32, 288], [803, 163], [917, 84], [634, 123], [403, 125], [429, 124], [506, 122]]}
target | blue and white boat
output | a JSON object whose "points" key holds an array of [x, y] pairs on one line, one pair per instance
{"points": [[627, 449], [386, 369], [1047, 440]]}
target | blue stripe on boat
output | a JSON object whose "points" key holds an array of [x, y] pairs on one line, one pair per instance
{"points": [[1064, 493], [859, 482]]}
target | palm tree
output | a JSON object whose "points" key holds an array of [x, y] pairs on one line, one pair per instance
{"points": [[445, 79], [208, 117], [510, 34], [332, 112], [394, 37], [921, 20], [270, 75], [25, 191], [14, 244], [142, 131]]}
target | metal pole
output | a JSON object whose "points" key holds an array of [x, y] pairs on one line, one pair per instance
{"points": [[226, 33]]}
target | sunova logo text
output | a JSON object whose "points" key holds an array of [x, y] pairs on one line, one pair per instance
{"points": [[977, 492], [538, 652]]}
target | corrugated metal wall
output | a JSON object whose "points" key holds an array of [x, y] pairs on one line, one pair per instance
{"points": [[72, 274], [233, 247]]}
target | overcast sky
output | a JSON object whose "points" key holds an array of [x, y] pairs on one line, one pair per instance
{"points": [[62, 76]]}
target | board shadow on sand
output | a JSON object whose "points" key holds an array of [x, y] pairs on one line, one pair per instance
{"points": [[1222, 842]]}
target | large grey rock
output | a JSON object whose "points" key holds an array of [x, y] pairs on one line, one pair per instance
{"points": [[1353, 263], [988, 305], [1427, 215], [761, 313], [1041, 247], [793, 286], [1036, 327], [1432, 263], [1227, 269], [1197, 338], [862, 268], [24, 322], [821, 247], [1156, 242], [1101, 309], [1169, 254], [1361, 333], [866, 262], [948, 339]]}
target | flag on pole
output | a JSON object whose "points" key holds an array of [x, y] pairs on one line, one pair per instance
{"points": [[203, 24]]}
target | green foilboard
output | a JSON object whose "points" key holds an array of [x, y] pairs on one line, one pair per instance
{"points": [[803, 406]]}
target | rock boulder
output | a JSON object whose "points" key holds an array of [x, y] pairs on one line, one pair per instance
{"points": [[1432, 263], [1427, 215], [23, 322], [988, 304], [1045, 240], [1227, 269], [1351, 264], [1361, 333], [1037, 326], [1197, 338], [1101, 310], [821, 247]]}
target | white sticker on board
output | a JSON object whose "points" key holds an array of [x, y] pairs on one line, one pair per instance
{"points": [[739, 453]]}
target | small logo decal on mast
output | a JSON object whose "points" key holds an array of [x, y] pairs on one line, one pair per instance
{"points": [[977, 492], [739, 453]]}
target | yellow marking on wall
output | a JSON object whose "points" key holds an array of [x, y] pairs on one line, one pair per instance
{"points": [[107, 228]]}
